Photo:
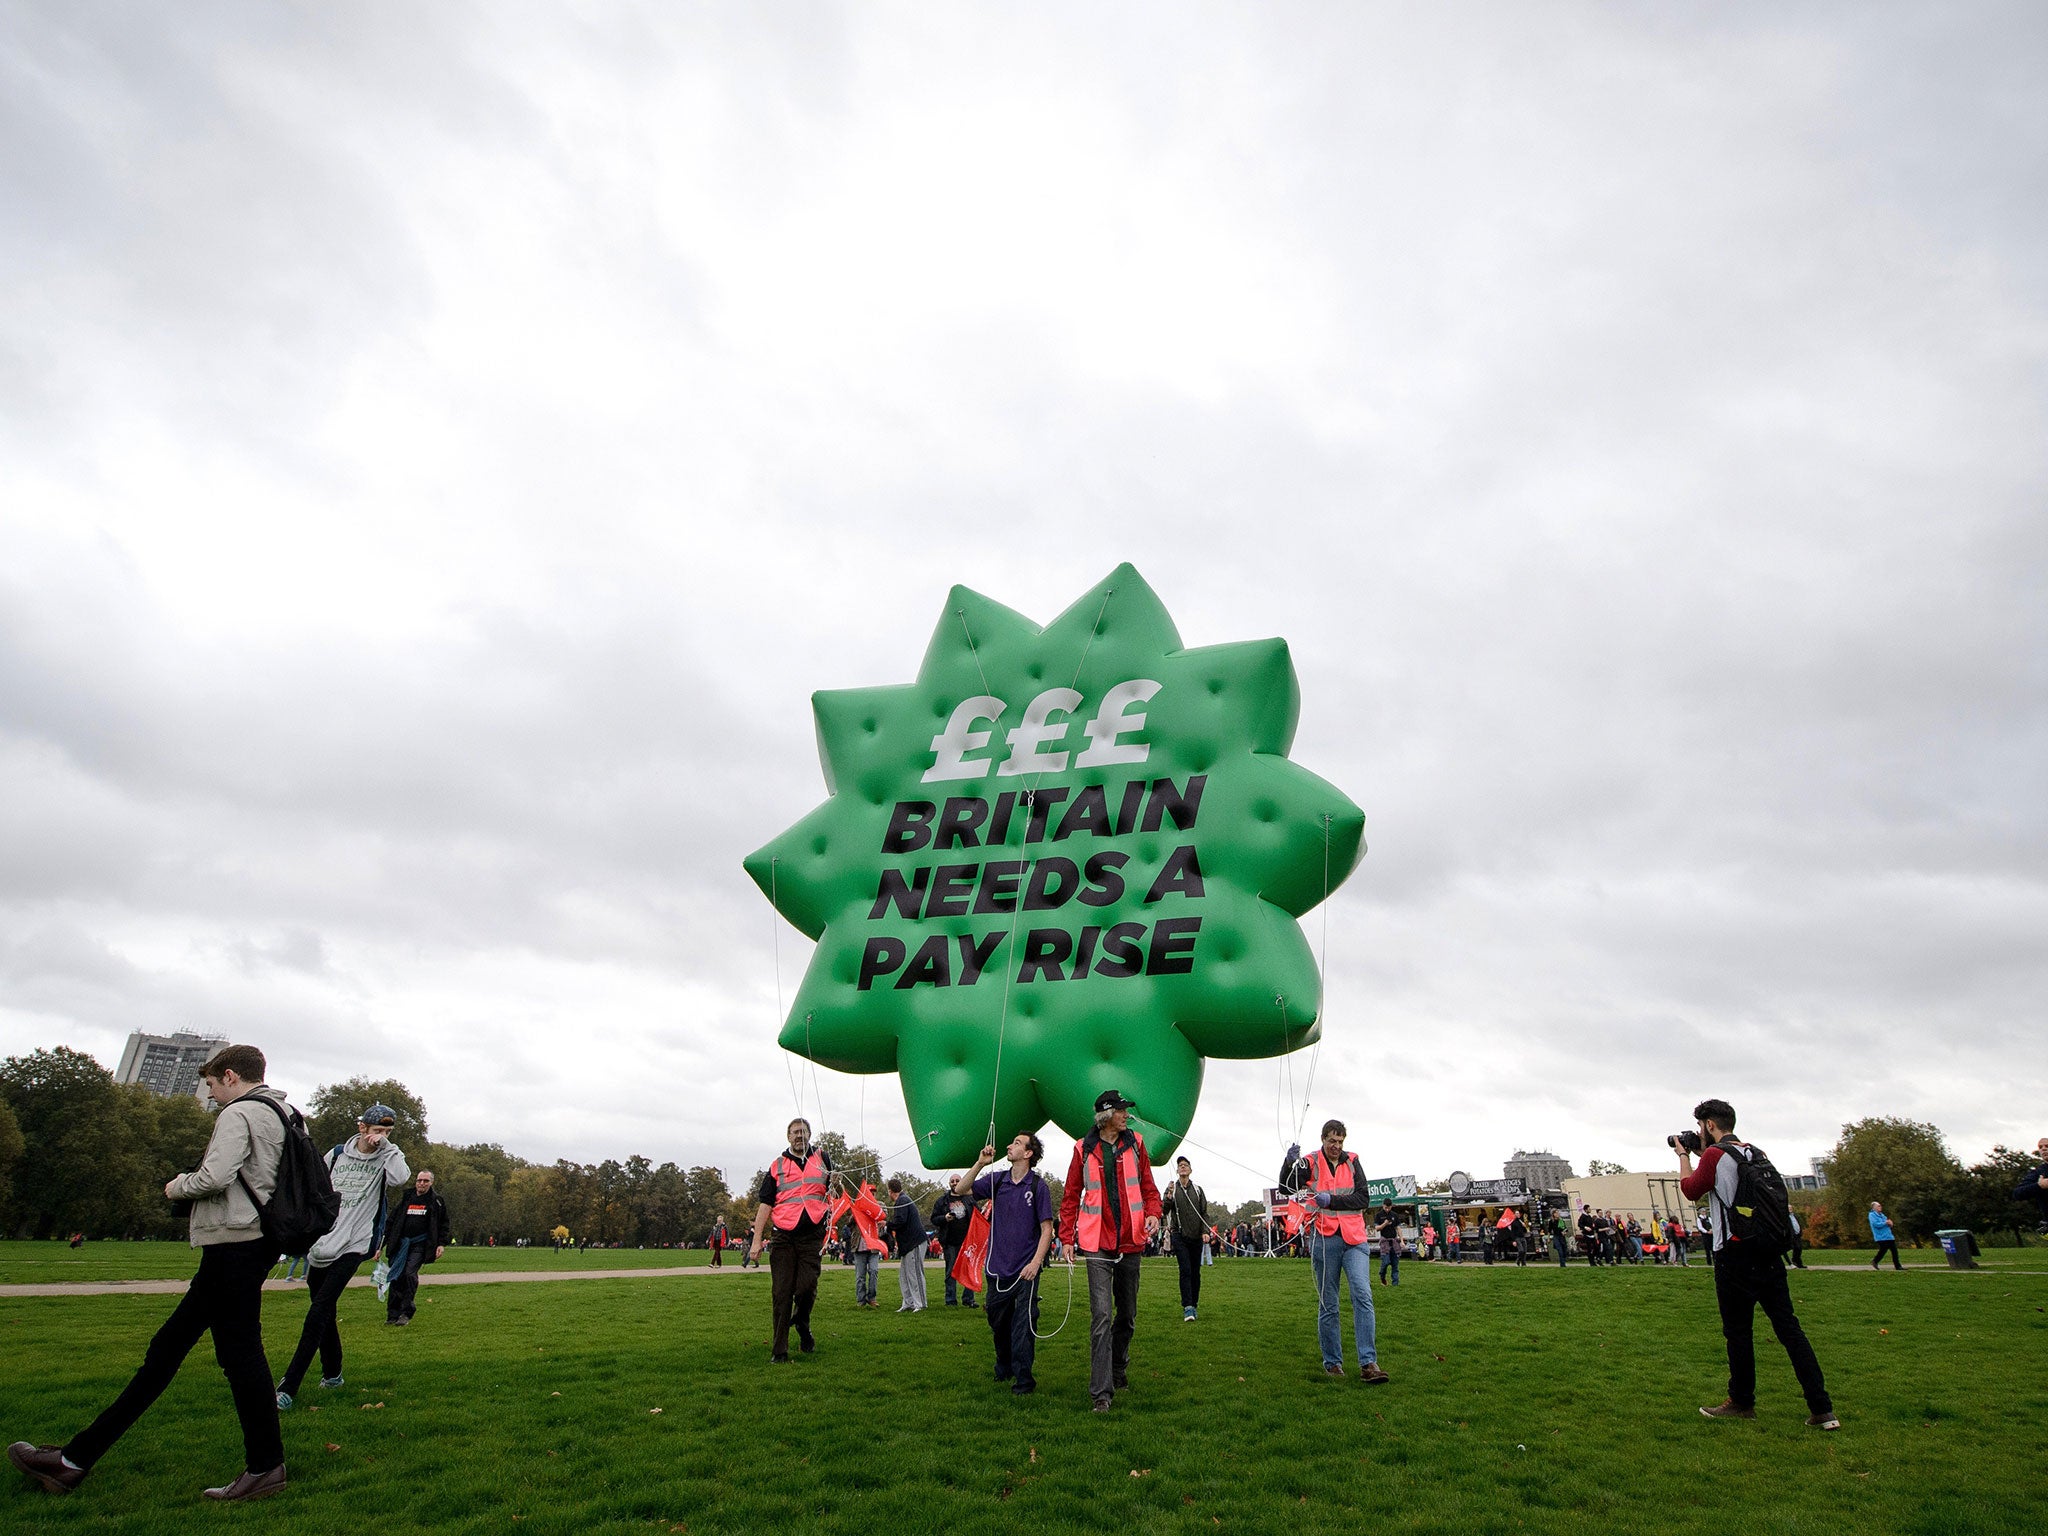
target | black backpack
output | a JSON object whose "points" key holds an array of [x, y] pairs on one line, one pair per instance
{"points": [[303, 1207], [1761, 1212]]}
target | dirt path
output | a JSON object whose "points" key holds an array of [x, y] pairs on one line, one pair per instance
{"points": [[480, 1277]]}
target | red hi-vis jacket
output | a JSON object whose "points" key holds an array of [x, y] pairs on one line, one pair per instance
{"points": [[1084, 1215], [799, 1190], [1351, 1224]]}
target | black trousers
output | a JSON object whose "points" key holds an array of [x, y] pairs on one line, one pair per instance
{"points": [[1188, 1254], [793, 1270], [226, 1299], [402, 1299], [323, 1293], [1890, 1246], [1744, 1281], [1012, 1306], [954, 1289]]}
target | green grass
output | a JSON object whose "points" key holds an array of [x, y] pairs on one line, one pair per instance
{"points": [[1522, 1400], [54, 1263]]}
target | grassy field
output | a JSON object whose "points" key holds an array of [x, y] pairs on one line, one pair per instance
{"points": [[1522, 1400], [54, 1263]]}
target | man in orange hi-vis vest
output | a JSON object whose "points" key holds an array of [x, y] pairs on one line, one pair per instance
{"points": [[791, 1206], [1338, 1247], [1110, 1206]]}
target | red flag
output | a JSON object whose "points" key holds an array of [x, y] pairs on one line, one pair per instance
{"points": [[973, 1253], [1295, 1217], [867, 1215]]}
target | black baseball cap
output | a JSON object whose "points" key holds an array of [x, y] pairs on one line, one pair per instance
{"points": [[1110, 1098]]}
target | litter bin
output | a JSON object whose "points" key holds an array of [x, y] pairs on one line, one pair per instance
{"points": [[1958, 1243]]}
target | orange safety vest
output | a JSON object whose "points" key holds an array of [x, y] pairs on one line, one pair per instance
{"points": [[1092, 1230], [799, 1190], [1329, 1223]]}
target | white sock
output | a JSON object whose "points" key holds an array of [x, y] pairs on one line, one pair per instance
{"points": [[69, 1464]]}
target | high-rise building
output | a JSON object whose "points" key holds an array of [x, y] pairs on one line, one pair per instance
{"points": [[1541, 1171], [167, 1064]]}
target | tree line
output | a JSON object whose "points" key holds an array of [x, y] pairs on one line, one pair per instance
{"points": [[1906, 1165]]}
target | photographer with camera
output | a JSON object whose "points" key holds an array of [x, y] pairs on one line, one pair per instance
{"points": [[1752, 1227]]}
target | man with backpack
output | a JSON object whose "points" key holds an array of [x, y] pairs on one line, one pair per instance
{"points": [[362, 1169], [1752, 1228], [241, 1187]]}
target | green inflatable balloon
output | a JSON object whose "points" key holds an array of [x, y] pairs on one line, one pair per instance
{"points": [[1063, 860]]}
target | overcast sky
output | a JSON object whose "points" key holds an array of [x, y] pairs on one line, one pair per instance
{"points": [[445, 446]]}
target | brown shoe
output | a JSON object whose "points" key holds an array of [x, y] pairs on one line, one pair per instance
{"points": [[1823, 1420], [1728, 1410], [252, 1485], [45, 1463], [1333, 1370], [1372, 1375]]}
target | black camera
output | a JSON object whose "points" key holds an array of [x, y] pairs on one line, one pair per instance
{"points": [[1688, 1140]]}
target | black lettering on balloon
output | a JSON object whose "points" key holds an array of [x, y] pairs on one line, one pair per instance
{"points": [[909, 826], [1045, 951], [1173, 946], [958, 823], [1042, 803], [931, 967], [1120, 953], [1089, 813], [999, 829], [1038, 894], [999, 881], [905, 896], [1127, 808], [1180, 805], [975, 955], [951, 886], [881, 956], [1180, 875], [1085, 951], [1105, 885]]}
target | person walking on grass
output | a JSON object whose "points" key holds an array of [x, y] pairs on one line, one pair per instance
{"points": [[235, 1178], [1109, 1209], [1337, 1247], [1020, 1232], [361, 1169], [1387, 1227], [1746, 1198], [1187, 1218], [789, 1214], [716, 1243], [1881, 1234], [415, 1233], [911, 1238], [951, 1217]]}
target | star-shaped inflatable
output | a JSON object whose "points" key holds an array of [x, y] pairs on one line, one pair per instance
{"points": [[1063, 860]]}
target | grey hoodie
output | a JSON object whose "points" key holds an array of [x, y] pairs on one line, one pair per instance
{"points": [[360, 1178]]}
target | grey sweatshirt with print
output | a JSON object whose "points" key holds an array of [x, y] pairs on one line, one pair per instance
{"points": [[360, 1178]]}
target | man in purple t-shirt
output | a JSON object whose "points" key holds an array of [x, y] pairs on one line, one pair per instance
{"points": [[1020, 1222]]}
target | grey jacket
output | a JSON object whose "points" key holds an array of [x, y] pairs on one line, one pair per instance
{"points": [[247, 1143]]}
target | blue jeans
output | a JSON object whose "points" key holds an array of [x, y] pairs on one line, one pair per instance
{"points": [[1332, 1258], [867, 1265], [1390, 1257]]}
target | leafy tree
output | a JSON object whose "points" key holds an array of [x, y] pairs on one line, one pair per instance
{"points": [[11, 1146], [64, 1107], [1903, 1163], [331, 1112], [1983, 1199], [1597, 1169]]}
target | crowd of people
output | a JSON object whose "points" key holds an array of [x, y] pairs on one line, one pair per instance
{"points": [[254, 1196]]}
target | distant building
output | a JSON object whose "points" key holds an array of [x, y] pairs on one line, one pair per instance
{"points": [[1642, 1195], [1541, 1171], [1818, 1179], [167, 1064]]}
